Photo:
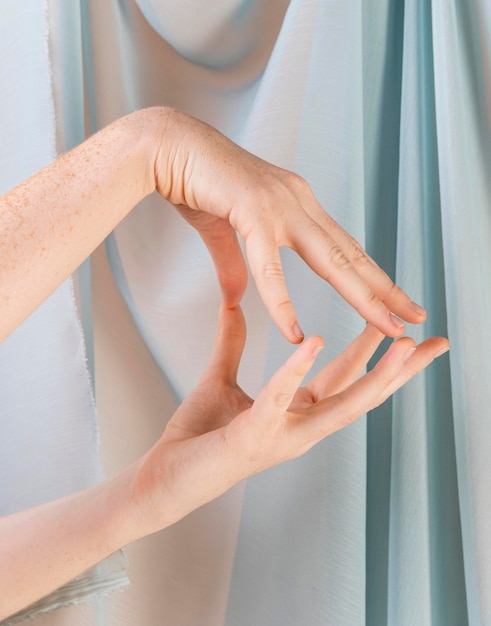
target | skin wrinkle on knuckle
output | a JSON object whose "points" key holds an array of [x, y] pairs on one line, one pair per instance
{"points": [[373, 301], [284, 304], [359, 257], [393, 291], [272, 271], [281, 398], [338, 258]]}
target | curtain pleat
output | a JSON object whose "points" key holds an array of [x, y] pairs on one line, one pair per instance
{"points": [[383, 106], [48, 434], [461, 38]]}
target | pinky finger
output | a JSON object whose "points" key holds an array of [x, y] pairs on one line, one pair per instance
{"points": [[265, 263], [426, 352], [340, 410], [401, 362]]}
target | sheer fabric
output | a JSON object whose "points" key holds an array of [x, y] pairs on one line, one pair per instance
{"points": [[383, 106], [48, 435]]}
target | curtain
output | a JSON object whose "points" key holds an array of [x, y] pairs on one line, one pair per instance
{"points": [[383, 106], [48, 434]]}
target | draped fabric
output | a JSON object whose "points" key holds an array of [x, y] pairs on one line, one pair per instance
{"points": [[383, 106], [48, 434]]}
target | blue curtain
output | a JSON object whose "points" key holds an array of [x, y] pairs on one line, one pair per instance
{"points": [[384, 107]]}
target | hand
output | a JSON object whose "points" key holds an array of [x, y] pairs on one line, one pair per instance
{"points": [[219, 436], [220, 188]]}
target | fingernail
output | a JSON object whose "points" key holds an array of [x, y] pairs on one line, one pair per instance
{"points": [[408, 354], [442, 351], [297, 331], [396, 321], [418, 309], [316, 351]]}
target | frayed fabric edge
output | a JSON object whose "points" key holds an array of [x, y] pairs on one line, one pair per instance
{"points": [[82, 589]]}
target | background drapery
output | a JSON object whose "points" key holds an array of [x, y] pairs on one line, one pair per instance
{"points": [[383, 106], [48, 433]]}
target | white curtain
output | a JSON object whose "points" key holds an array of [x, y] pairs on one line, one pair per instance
{"points": [[383, 106]]}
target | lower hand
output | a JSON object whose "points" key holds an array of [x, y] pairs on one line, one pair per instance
{"points": [[219, 435]]}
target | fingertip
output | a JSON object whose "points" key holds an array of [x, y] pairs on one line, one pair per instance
{"points": [[232, 314], [442, 350], [311, 348], [397, 324], [233, 288], [419, 310], [230, 301], [298, 333], [404, 347], [407, 342], [317, 348], [304, 356], [292, 332], [388, 323]]}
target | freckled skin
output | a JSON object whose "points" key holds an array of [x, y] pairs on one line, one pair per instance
{"points": [[51, 222]]}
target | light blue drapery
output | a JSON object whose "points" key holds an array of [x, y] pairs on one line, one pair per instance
{"points": [[383, 106]]}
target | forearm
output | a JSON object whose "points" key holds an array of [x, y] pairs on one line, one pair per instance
{"points": [[47, 546], [52, 221]]}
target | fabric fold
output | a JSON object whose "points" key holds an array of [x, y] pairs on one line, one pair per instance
{"points": [[49, 444]]}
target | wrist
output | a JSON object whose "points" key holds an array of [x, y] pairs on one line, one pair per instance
{"points": [[150, 128], [125, 512], [154, 505]]}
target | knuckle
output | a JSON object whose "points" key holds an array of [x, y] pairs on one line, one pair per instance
{"points": [[372, 300], [358, 256], [272, 271], [297, 182], [281, 398], [338, 258], [393, 290]]}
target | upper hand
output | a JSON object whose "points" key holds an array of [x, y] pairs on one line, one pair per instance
{"points": [[221, 188]]}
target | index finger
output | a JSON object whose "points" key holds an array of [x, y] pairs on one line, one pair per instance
{"points": [[265, 263]]}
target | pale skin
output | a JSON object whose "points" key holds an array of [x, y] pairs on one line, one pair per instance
{"points": [[218, 436]]}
